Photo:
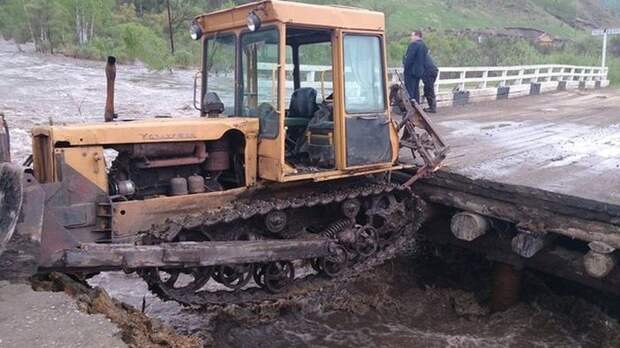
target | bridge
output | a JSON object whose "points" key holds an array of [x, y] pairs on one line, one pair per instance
{"points": [[533, 182], [532, 176]]}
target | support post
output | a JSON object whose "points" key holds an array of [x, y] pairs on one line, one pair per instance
{"points": [[528, 244], [506, 287], [599, 261], [468, 226]]}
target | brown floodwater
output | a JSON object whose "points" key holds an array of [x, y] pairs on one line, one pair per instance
{"points": [[414, 301]]}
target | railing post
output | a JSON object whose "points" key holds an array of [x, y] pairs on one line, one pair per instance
{"points": [[462, 77], [520, 80], [485, 79], [577, 74], [504, 76]]}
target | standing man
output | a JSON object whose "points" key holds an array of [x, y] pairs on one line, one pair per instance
{"points": [[413, 64], [429, 78]]}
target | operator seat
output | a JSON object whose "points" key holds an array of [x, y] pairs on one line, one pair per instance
{"points": [[302, 107]]}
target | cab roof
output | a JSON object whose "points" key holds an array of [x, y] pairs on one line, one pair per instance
{"points": [[294, 13]]}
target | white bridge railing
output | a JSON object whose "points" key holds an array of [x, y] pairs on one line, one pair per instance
{"points": [[480, 83], [463, 78]]}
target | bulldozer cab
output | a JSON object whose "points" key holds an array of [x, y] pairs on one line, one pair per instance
{"points": [[314, 76]]}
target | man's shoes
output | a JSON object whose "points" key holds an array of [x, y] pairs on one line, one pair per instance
{"points": [[430, 110]]}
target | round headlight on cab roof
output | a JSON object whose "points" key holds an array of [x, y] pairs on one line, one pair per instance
{"points": [[253, 21], [195, 31]]}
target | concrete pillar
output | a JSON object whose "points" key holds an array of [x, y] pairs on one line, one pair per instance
{"points": [[599, 261], [468, 226]]}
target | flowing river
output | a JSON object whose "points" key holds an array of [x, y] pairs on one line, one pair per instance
{"points": [[411, 302]]}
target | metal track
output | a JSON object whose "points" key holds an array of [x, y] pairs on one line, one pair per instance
{"points": [[244, 210]]}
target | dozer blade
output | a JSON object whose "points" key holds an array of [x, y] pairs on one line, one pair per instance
{"points": [[419, 135], [11, 199]]}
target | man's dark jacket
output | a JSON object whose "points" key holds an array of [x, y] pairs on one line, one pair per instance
{"points": [[430, 68], [415, 59]]}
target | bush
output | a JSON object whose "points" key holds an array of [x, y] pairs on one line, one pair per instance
{"points": [[183, 58], [614, 71], [141, 43]]}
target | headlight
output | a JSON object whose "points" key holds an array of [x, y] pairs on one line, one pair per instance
{"points": [[195, 31], [253, 21]]}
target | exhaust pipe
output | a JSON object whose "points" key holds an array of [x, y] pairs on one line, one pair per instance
{"points": [[110, 74]]}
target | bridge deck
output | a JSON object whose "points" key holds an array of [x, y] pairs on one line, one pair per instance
{"points": [[566, 142]]}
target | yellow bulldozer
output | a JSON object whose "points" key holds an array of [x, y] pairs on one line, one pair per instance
{"points": [[286, 169]]}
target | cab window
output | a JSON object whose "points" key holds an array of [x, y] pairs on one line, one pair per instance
{"points": [[363, 74], [219, 64], [259, 79]]}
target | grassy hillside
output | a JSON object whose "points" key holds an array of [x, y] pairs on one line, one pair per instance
{"points": [[571, 20], [564, 18], [138, 29]]}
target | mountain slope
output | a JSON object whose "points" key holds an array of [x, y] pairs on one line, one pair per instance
{"points": [[564, 18]]}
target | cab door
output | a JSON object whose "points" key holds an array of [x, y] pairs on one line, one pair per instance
{"points": [[367, 138]]}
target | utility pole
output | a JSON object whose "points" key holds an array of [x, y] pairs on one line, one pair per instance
{"points": [[604, 55], [604, 33], [170, 27]]}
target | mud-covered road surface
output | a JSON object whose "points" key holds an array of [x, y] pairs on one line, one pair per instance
{"points": [[410, 302]]}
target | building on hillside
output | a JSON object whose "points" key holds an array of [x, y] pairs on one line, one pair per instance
{"points": [[538, 37]]}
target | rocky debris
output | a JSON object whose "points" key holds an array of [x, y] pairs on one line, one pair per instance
{"points": [[136, 329]]}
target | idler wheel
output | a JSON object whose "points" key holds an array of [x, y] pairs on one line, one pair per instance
{"points": [[366, 243], [333, 264], [276, 221], [350, 208], [275, 276], [233, 277], [171, 279]]}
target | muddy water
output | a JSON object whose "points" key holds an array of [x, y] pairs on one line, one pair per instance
{"points": [[411, 303], [37, 90]]}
